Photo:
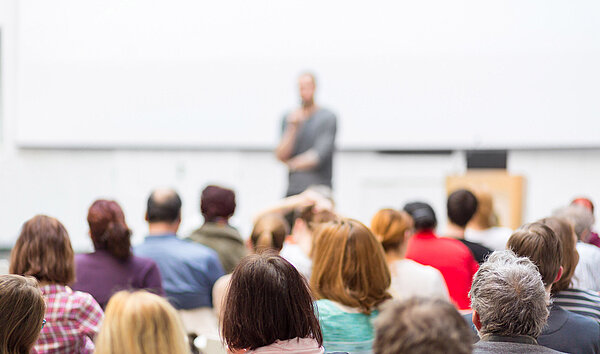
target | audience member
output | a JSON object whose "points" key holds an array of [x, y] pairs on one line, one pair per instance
{"points": [[592, 237], [270, 309], [22, 310], [350, 279], [393, 229], [580, 301], [43, 250], [483, 227], [268, 234], [587, 272], [421, 326], [141, 323], [565, 331], [189, 270], [112, 266], [451, 257], [510, 305], [217, 205], [461, 207]]}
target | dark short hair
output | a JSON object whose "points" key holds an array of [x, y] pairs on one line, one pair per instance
{"points": [[461, 206], [267, 300], [108, 229], [421, 326], [541, 245], [163, 206], [22, 310], [217, 203], [43, 250], [422, 214]]}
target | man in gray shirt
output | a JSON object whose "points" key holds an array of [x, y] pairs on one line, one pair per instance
{"points": [[308, 141]]}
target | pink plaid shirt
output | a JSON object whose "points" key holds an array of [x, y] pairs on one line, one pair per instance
{"points": [[72, 321]]}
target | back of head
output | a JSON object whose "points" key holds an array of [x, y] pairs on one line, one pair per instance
{"points": [[422, 214], [421, 326], [140, 323], [108, 228], [391, 227], [570, 257], [164, 205], [484, 215], [461, 207], [22, 310], [509, 296], [579, 216], [267, 300], [43, 250], [586, 202], [540, 244], [217, 203], [349, 265], [269, 232]]}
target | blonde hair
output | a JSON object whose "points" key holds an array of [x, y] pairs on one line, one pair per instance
{"points": [[140, 323], [390, 227], [349, 266]]}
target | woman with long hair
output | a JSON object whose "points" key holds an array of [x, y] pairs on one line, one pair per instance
{"points": [[112, 266], [43, 251], [141, 323], [350, 279], [270, 309], [22, 310]]}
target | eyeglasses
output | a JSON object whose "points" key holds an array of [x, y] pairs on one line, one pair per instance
{"points": [[43, 322]]}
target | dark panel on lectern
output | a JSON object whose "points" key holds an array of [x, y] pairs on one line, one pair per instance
{"points": [[486, 159]]}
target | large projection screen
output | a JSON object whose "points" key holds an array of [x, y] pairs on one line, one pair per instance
{"points": [[432, 74]]}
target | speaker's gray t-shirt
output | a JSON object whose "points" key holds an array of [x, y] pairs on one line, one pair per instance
{"points": [[316, 133]]}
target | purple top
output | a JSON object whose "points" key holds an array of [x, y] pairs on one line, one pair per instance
{"points": [[101, 274]]}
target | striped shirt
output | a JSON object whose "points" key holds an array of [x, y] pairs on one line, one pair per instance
{"points": [[72, 321], [583, 302], [345, 331]]}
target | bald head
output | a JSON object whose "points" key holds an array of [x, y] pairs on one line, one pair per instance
{"points": [[164, 205]]}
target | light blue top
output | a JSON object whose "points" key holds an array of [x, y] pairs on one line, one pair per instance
{"points": [[345, 331], [189, 270]]}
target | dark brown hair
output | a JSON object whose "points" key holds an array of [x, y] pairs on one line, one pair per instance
{"points": [[540, 244], [217, 203], [349, 266], [564, 230], [22, 310], [108, 228], [390, 227], [421, 326], [461, 206], [269, 232], [267, 300], [43, 250]]}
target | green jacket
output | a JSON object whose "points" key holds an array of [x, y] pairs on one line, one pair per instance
{"points": [[225, 240]]}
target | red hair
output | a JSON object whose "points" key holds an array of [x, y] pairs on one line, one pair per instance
{"points": [[108, 228]]}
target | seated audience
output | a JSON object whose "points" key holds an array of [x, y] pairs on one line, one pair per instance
{"points": [[43, 250], [461, 207], [510, 305], [451, 257], [593, 237], [22, 310], [421, 326], [112, 266], [580, 301], [141, 323], [393, 229], [270, 309], [189, 270], [268, 234], [483, 227], [565, 331], [587, 272], [217, 205], [350, 279]]}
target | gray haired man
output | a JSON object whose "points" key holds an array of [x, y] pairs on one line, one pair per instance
{"points": [[510, 305]]}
